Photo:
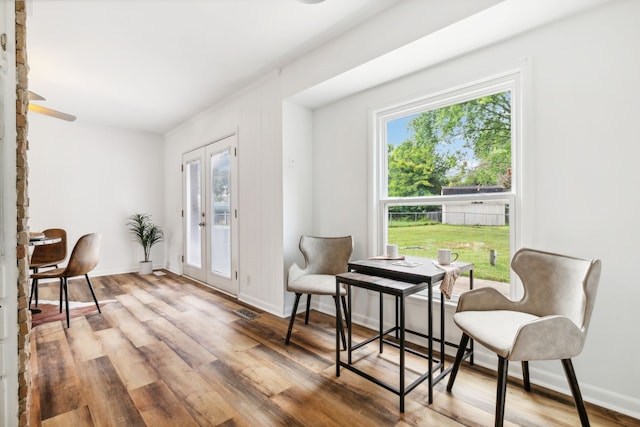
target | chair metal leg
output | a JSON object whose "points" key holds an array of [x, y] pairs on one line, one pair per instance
{"points": [[306, 316], [525, 375], [93, 294], [575, 390], [34, 288], [459, 355], [61, 290], [66, 299], [503, 370], [293, 317]]}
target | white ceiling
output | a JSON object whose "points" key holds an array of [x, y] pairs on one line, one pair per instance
{"points": [[152, 64]]}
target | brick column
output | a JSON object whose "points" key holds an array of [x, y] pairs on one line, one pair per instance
{"points": [[22, 174]]}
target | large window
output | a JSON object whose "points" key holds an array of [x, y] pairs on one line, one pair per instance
{"points": [[445, 178]]}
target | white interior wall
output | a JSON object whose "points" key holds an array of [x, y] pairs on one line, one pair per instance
{"points": [[264, 145], [297, 143], [195, 134], [256, 115], [87, 178], [579, 149]]}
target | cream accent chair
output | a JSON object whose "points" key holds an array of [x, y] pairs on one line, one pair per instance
{"points": [[324, 258], [550, 322]]}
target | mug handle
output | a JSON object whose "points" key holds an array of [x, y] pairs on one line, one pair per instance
{"points": [[454, 259]]}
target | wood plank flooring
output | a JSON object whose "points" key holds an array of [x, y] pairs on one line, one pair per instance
{"points": [[168, 352]]}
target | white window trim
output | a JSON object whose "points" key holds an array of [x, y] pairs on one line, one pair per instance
{"points": [[511, 80]]}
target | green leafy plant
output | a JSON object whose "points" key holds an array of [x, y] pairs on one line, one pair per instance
{"points": [[145, 232]]}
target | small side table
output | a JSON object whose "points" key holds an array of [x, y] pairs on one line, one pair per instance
{"points": [[399, 280]]}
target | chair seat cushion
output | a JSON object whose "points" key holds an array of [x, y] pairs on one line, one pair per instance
{"points": [[317, 284], [495, 329]]}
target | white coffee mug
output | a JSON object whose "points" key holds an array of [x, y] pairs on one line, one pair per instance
{"points": [[392, 251], [444, 256]]}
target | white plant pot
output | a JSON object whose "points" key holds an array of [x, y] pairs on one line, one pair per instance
{"points": [[146, 267]]}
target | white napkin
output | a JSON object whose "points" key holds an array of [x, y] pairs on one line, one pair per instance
{"points": [[451, 273]]}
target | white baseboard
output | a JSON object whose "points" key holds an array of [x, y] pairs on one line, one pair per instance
{"points": [[269, 308]]}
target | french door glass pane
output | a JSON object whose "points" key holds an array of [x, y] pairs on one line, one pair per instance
{"points": [[193, 215], [220, 213]]}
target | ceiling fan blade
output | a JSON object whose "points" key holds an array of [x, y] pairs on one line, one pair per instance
{"points": [[53, 113], [35, 97]]}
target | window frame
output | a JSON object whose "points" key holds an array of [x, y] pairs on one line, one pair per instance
{"points": [[380, 201]]}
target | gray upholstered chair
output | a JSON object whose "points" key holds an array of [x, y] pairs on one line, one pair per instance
{"points": [[550, 322], [324, 258]]}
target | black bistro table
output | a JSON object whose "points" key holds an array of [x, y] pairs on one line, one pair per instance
{"points": [[399, 278]]}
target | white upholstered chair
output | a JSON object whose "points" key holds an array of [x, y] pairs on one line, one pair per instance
{"points": [[324, 258], [550, 321]]}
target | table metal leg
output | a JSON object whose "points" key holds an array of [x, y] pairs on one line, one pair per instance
{"points": [[471, 340], [381, 322], [349, 337], [338, 316], [442, 337], [430, 341], [402, 345]]}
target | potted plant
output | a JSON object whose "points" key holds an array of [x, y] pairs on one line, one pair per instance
{"points": [[147, 234]]}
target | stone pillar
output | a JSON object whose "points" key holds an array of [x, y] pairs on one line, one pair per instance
{"points": [[22, 174]]}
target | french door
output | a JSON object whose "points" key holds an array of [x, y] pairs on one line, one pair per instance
{"points": [[210, 214]]}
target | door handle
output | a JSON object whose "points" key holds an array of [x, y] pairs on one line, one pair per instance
{"points": [[201, 224]]}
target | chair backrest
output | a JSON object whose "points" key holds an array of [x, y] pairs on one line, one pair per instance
{"points": [[85, 255], [53, 253], [326, 255], [557, 284]]}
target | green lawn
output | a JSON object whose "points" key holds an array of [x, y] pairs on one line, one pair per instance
{"points": [[472, 243]]}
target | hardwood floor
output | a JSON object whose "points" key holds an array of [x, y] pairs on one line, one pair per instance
{"points": [[168, 352]]}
